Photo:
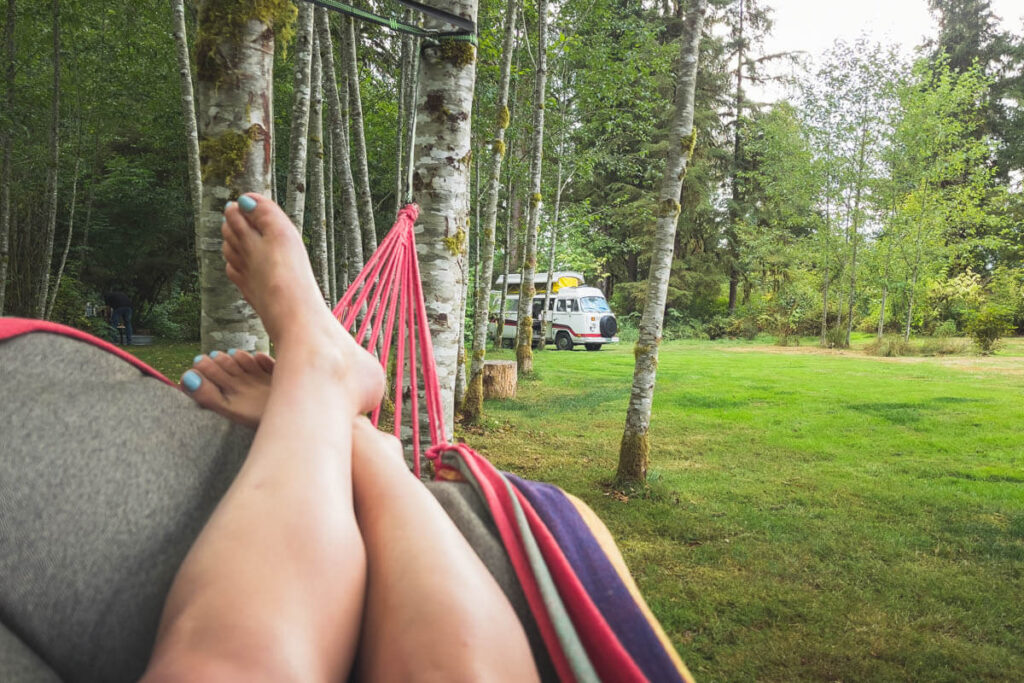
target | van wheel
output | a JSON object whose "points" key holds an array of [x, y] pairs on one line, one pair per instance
{"points": [[563, 342], [593, 347]]}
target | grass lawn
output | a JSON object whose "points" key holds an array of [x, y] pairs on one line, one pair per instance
{"points": [[811, 516]]}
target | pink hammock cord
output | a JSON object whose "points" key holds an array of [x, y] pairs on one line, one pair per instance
{"points": [[389, 288]]}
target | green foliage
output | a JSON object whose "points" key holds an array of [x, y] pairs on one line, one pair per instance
{"points": [[176, 318], [945, 329], [989, 326]]}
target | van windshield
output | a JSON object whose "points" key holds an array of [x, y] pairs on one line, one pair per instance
{"points": [[595, 304]]}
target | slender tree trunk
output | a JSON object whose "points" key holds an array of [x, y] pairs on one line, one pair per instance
{"points": [[885, 292], [332, 256], [235, 69], [51, 222], [55, 287], [411, 112], [188, 113], [559, 187], [295, 202], [342, 164], [318, 217], [404, 83], [737, 148], [362, 169], [505, 264], [635, 447], [441, 185], [7, 140], [524, 337], [474, 403]]}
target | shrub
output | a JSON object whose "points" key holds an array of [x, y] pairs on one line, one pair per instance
{"points": [[835, 337], [945, 329], [717, 327], [988, 326], [888, 347], [177, 317]]}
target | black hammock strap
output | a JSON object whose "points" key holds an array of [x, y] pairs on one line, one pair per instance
{"points": [[466, 34]]}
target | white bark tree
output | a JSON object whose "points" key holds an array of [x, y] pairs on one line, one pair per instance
{"points": [[634, 450], [55, 286], [472, 407], [318, 215], [361, 168], [7, 140], [524, 337], [295, 202], [188, 112], [342, 163], [235, 66], [441, 187], [51, 174]]}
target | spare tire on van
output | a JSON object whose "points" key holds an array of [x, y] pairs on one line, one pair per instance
{"points": [[609, 326]]}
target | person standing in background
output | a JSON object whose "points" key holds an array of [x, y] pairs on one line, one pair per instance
{"points": [[120, 312]]}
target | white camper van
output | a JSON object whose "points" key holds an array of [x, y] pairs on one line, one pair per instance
{"points": [[577, 314]]}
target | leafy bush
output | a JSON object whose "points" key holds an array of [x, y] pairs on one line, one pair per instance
{"points": [[717, 327], [945, 329], [889, 347], [988, 326], [177, 317]]}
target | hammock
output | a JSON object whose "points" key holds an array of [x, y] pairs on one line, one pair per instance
{"points": [[590, 614]]}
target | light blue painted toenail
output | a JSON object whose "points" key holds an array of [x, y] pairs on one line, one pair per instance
{"points": [[228, 205], [191, 380], [197, 359], [214, 354], [246, 203], [231, 352]]}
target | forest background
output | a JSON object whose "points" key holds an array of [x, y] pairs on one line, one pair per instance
{"points": [[883, 196]]}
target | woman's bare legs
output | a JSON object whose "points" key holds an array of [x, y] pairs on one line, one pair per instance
{"points": [[433, 610], [273, 587]]}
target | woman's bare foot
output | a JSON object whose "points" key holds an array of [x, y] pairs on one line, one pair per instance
{"points": [[268, 262], [235, 384]]}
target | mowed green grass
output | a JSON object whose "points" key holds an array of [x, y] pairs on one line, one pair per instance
{"points": [[811, 516]]}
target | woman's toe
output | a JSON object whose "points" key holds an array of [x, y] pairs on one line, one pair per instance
{"points": [[202, 391]]}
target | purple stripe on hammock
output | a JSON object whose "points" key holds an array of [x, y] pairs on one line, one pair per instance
{"points": [[599, 578]]}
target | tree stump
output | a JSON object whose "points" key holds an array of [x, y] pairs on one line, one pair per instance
{"points": [[500, 379]]}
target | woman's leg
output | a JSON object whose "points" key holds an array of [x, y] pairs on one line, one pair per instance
{"points": [[433, 610], [273, 588]]}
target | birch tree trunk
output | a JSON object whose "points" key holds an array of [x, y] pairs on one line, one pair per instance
{"points": [[404, 83], [51, 175], [524, 337], [506, 262], [332, 256], [318, 217], [358, 139], [342, 164], [235, 66], [444, 107], [634, 450], [55, 287], [188, 113], [295, 202], [7, 140], [472, 407]]}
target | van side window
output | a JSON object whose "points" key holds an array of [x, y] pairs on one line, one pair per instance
{"points": [[551, 304], [560, 306], [574, 305]]}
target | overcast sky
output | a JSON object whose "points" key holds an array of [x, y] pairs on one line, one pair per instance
{"points": [[813, 25]]}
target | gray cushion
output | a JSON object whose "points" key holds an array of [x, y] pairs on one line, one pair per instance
{"points": [[106, 478]]}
